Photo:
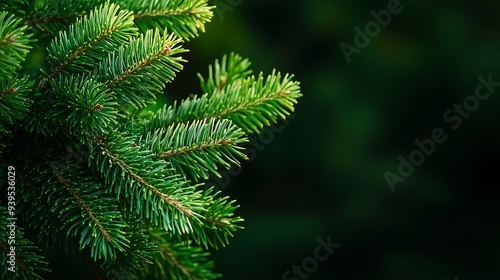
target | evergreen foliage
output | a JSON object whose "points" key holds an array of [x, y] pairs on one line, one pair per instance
{"points": [[93, 169]]}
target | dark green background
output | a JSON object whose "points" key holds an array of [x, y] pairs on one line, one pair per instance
{"points": [[323, 174]]}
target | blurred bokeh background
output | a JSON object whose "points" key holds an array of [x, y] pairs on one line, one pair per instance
{"points": [[323, 174]]}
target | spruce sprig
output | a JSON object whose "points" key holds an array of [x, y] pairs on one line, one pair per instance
{"points": [[251, 103], [229, 70], [185, 18], [138, 72], [14, 43], [89, 39], [198, 148]]}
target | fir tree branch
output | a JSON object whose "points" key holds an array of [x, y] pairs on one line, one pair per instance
{"points": [[250, 103], [183, 17], [198, 147], [14, 44], [166, 200], [179, 260], [52, 16], [220, 221], [87, 40], [80, 202], [141, 251], [83, 106], [138, 71], [14, 103], [224, 73], [170, 256], [79, 105], [39, 214], [86, 211]]}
